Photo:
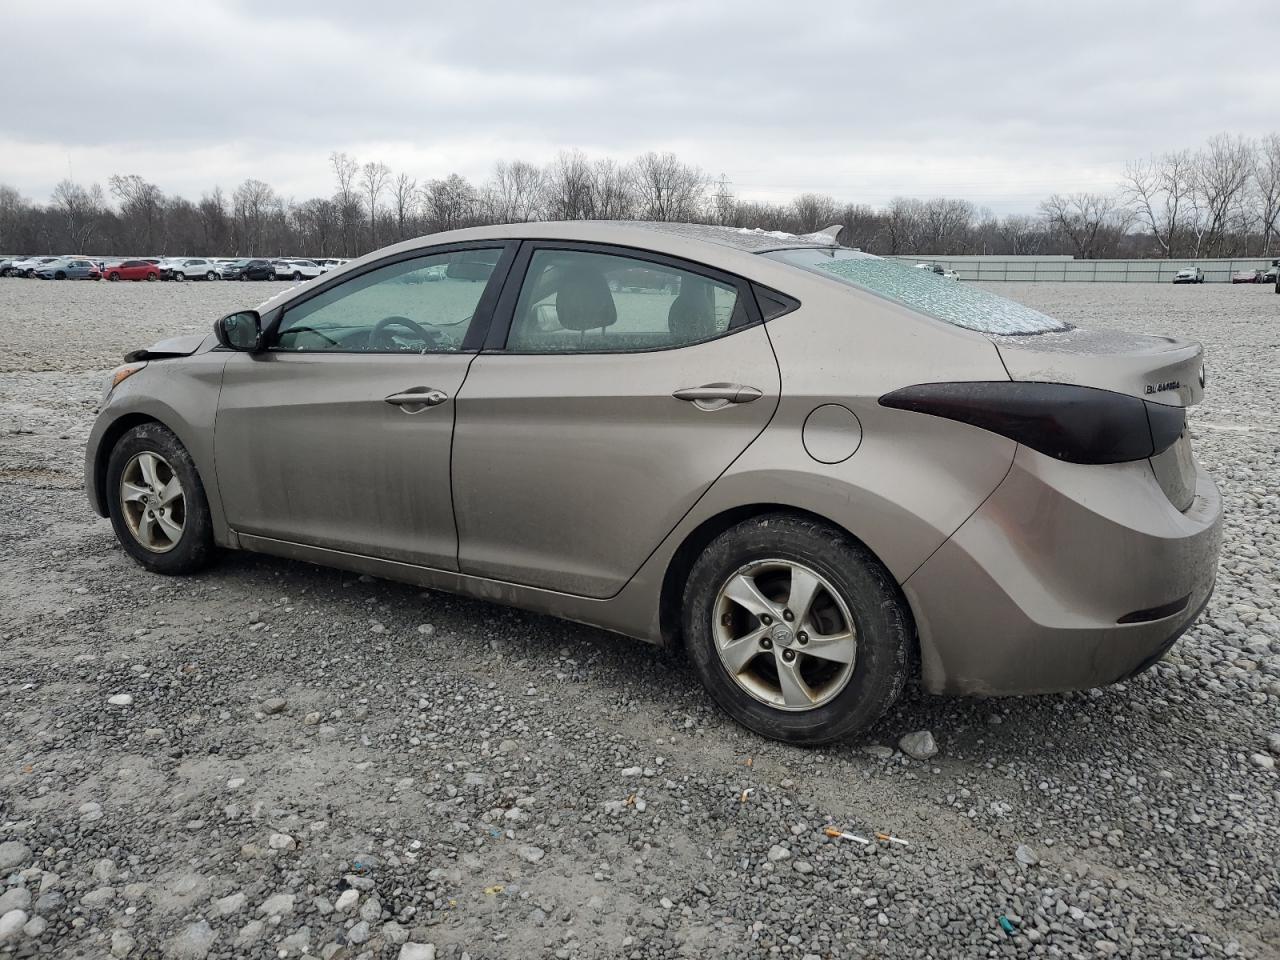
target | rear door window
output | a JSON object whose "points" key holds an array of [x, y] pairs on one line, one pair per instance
{"points": [[959, 304], [575, 301]]}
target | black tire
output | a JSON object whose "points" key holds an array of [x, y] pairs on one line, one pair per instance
{"points": [[885, 631], [113, 277], [244, 276], [211, 276], [152, 278], [179, 276], [297, 277], [59, 275], [194, 549]]}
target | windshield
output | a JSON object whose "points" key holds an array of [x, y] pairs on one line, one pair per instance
{"points": [[962, 305]]}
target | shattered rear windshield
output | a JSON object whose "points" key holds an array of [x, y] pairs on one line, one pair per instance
{"points": [[960, 304]]}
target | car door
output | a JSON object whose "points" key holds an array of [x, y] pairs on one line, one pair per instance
{"points": [[616, 387], [338, 434]]}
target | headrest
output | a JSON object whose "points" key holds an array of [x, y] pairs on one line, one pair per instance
{"points": [[583, 300], [692, 315]]}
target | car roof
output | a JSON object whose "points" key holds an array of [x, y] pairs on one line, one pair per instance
{"points": [[732, 249], [698, 241]]}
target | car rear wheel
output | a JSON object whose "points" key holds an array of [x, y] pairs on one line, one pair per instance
{"points": [[796, 630], [151, 277], [157, 502]]}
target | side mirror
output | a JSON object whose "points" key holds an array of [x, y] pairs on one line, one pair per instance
{"points": [[240, 331]]}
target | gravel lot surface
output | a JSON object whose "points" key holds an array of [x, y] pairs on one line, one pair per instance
{"points": [[273, 759]]}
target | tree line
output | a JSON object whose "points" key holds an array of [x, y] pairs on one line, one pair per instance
{"points": [[1221, 200]]}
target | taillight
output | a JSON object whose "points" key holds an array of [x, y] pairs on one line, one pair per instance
{"points": [[1061, 420]]}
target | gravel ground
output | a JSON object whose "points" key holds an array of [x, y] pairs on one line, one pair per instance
{"points": [[273, 759]]}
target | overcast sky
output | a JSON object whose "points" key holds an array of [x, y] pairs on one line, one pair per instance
{"points": [[998, 103]]}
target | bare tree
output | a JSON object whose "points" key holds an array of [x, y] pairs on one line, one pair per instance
{"points": [[611, 189], [1021, 234], [944, 226], [13, 211], [404, 200], [214, 221], [514, 194], [902, 224], [666, 188], [813, 212], [81, 209], [1091, 222], [568, 192], [1222, 170], [1160, 191], [1266, 178], [252, 203], [141, 210], [345, 170], [373, 177], [449, 203]]}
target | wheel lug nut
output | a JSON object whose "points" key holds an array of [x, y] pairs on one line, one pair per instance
{"points": [[766, 619], [788, 655], [802, 637], [788, 615], [766, 643]]}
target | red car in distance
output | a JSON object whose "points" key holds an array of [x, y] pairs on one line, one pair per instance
{"points": [[131, 270]]}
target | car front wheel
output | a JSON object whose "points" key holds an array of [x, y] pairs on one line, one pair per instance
{"points": [[157, 502], [211, 276], [796, 630]]}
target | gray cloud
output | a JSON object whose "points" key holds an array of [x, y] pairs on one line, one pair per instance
{"points": [[999, 103]]}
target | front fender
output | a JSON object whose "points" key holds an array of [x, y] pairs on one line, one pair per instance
{"points": [[180, 394]]}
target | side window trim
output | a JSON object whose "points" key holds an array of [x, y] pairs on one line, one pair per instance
{"points": [[504, 313], [480, 322]]}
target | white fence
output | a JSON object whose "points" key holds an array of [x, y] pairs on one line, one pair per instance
{"points": [[1089, 271]]}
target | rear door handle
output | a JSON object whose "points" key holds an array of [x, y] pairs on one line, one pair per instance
{"points": [[713, 396], [417, 399]]}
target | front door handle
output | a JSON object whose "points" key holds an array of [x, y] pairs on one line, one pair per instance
{"points": [[417, 399], [714, 396]]}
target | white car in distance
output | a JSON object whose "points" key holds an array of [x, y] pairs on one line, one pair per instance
{"points": [[297, 270], [188, 268]]}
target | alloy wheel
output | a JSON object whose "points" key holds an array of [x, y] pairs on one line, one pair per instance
{"points": [[784, 634], [153, 502]]}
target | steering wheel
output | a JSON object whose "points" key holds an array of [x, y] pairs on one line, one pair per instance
{"points": [[378, 337]]}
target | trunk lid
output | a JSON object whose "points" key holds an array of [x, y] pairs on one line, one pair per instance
{"points": [[1159, 369]]}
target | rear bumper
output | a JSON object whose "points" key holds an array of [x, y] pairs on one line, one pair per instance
{"points": [[1067, 577]]}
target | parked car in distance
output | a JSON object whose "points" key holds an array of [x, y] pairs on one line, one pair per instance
{"points": [[329, 263], [29, 266], [248, 269], [637, 426], [1272, 274], [939, 270], [1189, 275], [1247, 276], [189, 268], [73, 268], [7, 262], [131, 270], [296, 270]]}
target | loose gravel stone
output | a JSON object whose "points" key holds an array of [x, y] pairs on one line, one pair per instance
{"points": [[14, 854], [11, 924], [918, 746]]}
